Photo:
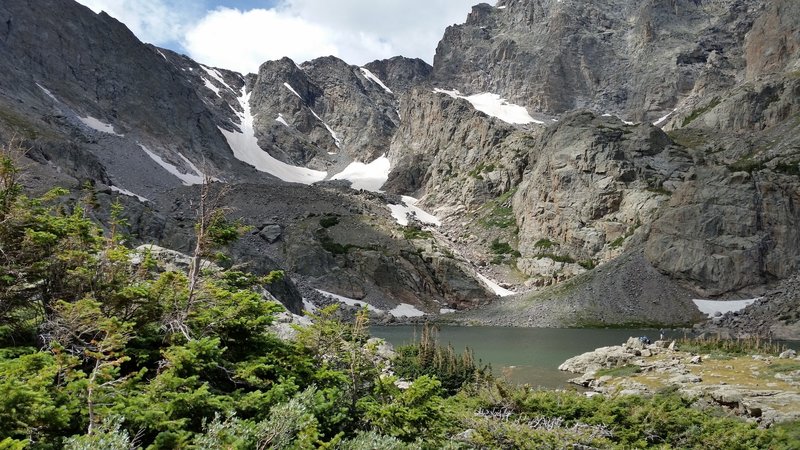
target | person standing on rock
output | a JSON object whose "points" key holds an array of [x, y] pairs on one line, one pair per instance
{"points": [[661, 334]]}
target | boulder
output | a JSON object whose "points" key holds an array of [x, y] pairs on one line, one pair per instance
{"points": [[604, 357], [270, 232]]}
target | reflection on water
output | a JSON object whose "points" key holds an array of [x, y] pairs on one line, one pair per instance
{"points": [[521, 355]]}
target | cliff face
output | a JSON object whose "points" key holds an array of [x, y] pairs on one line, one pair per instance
{"points": [[635, 59], [321, 113]]}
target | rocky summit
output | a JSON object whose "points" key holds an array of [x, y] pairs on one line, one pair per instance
{"points": [[561, 162]]}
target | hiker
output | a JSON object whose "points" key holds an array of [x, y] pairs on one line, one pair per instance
{"points": [[661, 332]]}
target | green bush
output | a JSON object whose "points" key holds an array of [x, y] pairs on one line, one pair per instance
{"points": [[557, 258], [415, 232], [328, 221], [427, 357], [501, 248]]}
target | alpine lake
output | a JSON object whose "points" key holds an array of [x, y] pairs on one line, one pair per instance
{"points": [[524, 355]]}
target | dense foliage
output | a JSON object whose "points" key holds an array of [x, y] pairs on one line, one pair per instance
{"points": [[104, 347]]}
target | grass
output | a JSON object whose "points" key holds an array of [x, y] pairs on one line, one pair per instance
{"points": [[328, 221], [616, 243], [659, 190], [688, 137], [700, 111], [782, 366], [500, 214], [557, 258], [746, 164], [18, 123], [413, 232], [792, 168], [544, 243], [501, 248], [482, 168], [731, 347], [623, 371]]}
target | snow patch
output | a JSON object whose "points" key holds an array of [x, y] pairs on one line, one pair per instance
{"points": [[663, 119], [211, 86], [495, 106], [371, 76], [401, 212], [711, 307], [289, 87], [446, 311], [128, 193], [245, 148], [369, 177], [49, 94], [186, 178], [404, 309], [496, 288], [98, 125], [213, 73], [282, 120], [349, 301], [626, 122], [330, 130]]}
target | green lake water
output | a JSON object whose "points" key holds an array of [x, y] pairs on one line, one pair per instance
{"points": [[521, 355]]}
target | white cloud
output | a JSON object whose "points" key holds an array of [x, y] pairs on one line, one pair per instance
{"points": [[151, 21], [357, 31], [241, 41]]}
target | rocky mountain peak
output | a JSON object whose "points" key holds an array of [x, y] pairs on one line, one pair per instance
{"points": [[400, 73]]}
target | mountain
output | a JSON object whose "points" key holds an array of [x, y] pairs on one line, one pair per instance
{"points": [[608, 161]]}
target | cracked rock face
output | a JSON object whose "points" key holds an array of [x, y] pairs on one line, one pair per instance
{"points": [[630, 58], [309, 115]]}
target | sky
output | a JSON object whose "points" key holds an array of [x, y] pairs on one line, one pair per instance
{"points": [[241, 34]]}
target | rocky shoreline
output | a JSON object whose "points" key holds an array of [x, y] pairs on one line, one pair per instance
{"points": [[762, 388]]}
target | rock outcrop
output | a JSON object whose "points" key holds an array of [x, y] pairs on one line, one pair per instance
{"points": [[591, 182], [761, 388], [401, 74]]}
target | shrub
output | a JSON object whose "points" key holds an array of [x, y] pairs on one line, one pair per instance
{"points": [[328, 221]]}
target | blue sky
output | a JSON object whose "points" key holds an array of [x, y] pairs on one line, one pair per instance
{"points": [[241, 34]]}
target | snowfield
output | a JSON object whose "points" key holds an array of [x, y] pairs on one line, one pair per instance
{"points": [[349, 301], [98, 125], [404, 309], [186, 178], [245, 148], [401, 212], [496, 288], [711, 307], [369, 177], [493, 105]]}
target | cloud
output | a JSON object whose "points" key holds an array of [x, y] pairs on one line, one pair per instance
{"points": [[152, 21], [358, 31], [242, 40], [410, 27]]}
